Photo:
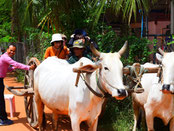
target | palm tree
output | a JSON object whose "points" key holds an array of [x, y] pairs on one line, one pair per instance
{"points": [[50, 11], [128, 8], [17, 17]]}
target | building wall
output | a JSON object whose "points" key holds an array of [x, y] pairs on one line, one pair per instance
{"points": [[156, 27], [159, 27]]}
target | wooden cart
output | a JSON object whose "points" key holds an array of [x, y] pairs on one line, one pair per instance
{"points": [[28, 92]]}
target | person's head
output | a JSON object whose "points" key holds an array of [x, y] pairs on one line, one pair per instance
{"points": [[11, 50], [64, 39], [79, 37], [78, 48], [80, 34], [56, 41]]}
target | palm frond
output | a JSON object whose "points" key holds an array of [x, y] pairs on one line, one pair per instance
{"points": [[128, 7]]}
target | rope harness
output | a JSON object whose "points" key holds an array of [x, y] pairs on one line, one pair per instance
{"points": [[104, 94], [134, 78]]}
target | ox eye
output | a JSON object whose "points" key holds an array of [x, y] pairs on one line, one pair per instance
{"points": [[106, 68]]}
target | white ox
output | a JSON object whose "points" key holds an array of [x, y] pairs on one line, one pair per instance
{"points": [[54, 85], [153, 101]]}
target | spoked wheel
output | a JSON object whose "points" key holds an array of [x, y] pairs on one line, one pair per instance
{"points": [[29, 101]]}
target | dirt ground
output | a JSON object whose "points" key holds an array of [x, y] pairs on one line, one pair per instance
{"points": [[20, 120]]}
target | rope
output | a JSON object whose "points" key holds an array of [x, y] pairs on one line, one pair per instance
{"points": [[159, 74], [104, 95], [89, 87], [136, 76]]}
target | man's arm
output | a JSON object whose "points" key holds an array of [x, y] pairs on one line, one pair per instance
{"points": [[17, 65]]}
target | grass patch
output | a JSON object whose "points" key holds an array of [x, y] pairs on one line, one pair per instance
{"points": [[118, 116]]}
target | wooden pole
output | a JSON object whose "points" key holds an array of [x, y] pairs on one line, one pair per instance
{"points": [[78, 76], [149, 70]]}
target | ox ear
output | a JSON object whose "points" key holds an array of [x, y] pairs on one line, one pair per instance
{"points": [[159, 57], [86, 68]]}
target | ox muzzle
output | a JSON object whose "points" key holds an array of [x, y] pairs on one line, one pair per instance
{"points": [[120, 94], [167, 88]]}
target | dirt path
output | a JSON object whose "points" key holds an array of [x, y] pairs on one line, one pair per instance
{"points": [[20, 120]]}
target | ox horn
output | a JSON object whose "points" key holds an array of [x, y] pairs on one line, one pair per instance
{"points": [[161, 51], [94, 50], [123, 49]]}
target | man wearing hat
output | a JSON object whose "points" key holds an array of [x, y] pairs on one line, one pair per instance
{"points": [[78, 52], [57, 48]]}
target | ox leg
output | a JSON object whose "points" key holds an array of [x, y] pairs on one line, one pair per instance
{"points": [[55, 119], [143, 121], [93, 125], [136, 115], [40, 110], [75, 123], [149, 118], [172, 124]]}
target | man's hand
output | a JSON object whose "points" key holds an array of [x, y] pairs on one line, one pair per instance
{"points": [[32, 67], [87, 38]]}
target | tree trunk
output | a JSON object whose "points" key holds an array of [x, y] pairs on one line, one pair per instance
{"points": [[13, 14], [15, 26], [172, 17]]}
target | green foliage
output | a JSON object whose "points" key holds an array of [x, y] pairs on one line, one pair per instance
{"points": [[5, 33], [138, 50], [19, 74], [127, 8], [5, 22], [44, 40], [106, 39], [5, 8]]}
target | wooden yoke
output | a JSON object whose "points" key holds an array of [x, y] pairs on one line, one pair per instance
{"points": [[134, 74], [78, 76], [147, 70]]}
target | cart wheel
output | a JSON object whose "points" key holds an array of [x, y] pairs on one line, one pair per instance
{"points": [[29, 101]]}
